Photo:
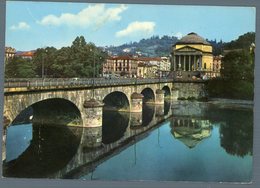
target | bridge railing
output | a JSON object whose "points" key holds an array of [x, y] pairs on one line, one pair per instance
{"points": [[85, 82]]}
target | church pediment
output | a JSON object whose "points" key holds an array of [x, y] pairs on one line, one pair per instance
{"points": [[187, 49]]}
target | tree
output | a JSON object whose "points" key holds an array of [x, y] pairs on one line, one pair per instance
{"points": [[243, 42], [238, 65], [44, 59], [18, 67]]}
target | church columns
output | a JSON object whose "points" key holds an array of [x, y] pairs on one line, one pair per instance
{"points": [[184, 62], [189, 62], [174, 62]]}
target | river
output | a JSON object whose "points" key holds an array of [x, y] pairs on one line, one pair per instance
{"points": [[183, 141]]}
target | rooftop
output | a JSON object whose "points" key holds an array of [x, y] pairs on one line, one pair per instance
{"points": [[192, 38]]}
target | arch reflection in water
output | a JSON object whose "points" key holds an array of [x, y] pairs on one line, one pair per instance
{"points": [[40, 141], [190, 131], [148, 113], [167, 106], [114, 125], [49, 150]]}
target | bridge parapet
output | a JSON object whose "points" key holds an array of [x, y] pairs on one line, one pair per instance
{"points": [[21, 85]]}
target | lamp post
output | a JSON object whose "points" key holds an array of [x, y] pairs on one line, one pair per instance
{"points": [[43, 63], [94, 64]]}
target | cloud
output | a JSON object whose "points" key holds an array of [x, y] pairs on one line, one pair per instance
{"points": [[94, 15], [20, 26], [179, 35], [136, 28]]}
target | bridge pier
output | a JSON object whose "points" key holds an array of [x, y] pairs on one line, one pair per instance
{"points": [[136, 110], [92, 123], [159, 98], [136, 102]]}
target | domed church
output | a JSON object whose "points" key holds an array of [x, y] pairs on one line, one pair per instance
{"points": [[192, 55]]}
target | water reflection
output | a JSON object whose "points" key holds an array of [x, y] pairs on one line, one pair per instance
{"points": [[236, 132], [48, 150], [136, 120], [235, 123], [45, 150], [114, 125], [148, 114], [190, 131], [167, 106]]}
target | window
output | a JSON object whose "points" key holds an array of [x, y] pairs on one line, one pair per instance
{"points": [[205, 66]]}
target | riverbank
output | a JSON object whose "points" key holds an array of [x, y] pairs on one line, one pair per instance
{"points": [[231, 102]]}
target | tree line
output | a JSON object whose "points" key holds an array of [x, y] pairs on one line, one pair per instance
{"points": [[76, 60]]}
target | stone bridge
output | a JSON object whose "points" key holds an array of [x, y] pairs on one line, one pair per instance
{"points": [[81, 102]]}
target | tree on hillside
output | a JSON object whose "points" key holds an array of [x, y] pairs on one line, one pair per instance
{"points": [[243, 42]]}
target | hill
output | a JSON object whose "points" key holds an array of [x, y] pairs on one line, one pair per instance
{"points": [[152, 47]]}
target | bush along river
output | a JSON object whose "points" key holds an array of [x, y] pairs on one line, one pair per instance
{"points": [[179, 141]]}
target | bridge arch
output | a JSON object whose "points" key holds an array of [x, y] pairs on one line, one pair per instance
{"points": [[62, 111], [167, 91], [50, 110], [149, 96], [115, 119], [116, 101]]}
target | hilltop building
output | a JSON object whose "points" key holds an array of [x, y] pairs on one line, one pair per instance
{"points": [[192, 55], [25, 55], [9, 52]]}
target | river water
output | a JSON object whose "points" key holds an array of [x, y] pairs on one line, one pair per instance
{"points": [[199, 142]]}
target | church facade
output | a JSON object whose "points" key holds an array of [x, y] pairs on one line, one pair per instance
{"points": [[192, 55]]}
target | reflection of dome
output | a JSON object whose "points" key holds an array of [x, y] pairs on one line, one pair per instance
{"points": [[192, 133], [192, 38]]}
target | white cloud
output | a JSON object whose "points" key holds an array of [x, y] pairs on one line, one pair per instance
{"points": [[96, 15], [20, 26], [179, 35], [136, 28]]}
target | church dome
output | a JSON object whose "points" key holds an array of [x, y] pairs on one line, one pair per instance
{"points": [[193, 38]]}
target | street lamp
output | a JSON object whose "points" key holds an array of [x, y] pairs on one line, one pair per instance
{"points": [[43, 63], [94, 64]]}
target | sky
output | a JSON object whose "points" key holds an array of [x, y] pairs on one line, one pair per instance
{"points": [[32, 25]]}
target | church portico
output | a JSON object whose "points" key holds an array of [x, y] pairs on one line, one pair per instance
{"points": [[187, 62], [192, 55]]}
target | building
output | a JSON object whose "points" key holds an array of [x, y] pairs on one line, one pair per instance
{"points": [[9, 53], [192, 55], [165, 66], [147, 70], [120, 66], [141, 67], [216, 66], [148, 67], [25, 55]]}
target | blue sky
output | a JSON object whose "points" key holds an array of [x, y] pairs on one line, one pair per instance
{"points": [[31, 25]]}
